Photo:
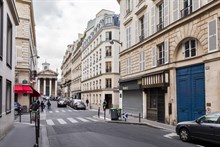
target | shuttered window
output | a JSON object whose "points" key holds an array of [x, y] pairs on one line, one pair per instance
{"points": [[166, 51], [129, 65], [195, 4], [136, 31], [128, 37], [176, 10], [153, 20], [9, 43], [146, 25], [166, 13], [142, 61], [213, 37], [8, 96], [154, 59]]}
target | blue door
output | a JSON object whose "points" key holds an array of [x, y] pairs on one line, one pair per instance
{"points": [[190, 92]]}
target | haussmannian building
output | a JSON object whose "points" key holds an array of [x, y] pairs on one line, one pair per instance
{"points": [[100, 60], [8, 21], [169, 61]]}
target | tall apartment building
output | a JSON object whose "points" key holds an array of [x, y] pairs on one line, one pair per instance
{"points": [[169, 58], [8, 22], [76, 68], [27, 55], [66, 72], [100, 60]]}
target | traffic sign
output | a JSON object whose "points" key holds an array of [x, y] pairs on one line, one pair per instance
{"points": [[125, 115]]}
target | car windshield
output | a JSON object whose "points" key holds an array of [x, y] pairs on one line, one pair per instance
{"points": [[210, 118]]}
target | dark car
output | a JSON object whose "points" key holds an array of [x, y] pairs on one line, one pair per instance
{"points": [[61, 103], [205, 128], [79, 105], [17, 107]]}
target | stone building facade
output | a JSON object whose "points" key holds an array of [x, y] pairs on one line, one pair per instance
{"points": [[8, 21], [47, 81], [27, 55], [170, 61], [100, 68]]}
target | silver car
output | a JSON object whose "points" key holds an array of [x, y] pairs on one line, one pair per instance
{"points": [[205, 128]]}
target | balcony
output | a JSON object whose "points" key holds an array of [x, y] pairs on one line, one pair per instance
{"points": [[186, 11], [141, 38], [160, 26]]}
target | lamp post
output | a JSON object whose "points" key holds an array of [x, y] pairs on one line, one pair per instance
{"points": [[113, 40]]}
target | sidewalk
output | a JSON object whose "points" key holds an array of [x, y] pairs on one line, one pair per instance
{"points": [[23, 134], [135, 120]]}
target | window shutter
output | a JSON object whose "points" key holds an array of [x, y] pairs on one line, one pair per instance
{"points": [[143, 60], [140, 61], [136, 31], [166, 51], [146, 25], [153, 20], [127, 37], [131, 5], [154, 60], [176, 10], [213, 37], [166, 13], [195, 4]]}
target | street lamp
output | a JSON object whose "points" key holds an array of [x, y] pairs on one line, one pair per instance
{"points": [[112, 42]]}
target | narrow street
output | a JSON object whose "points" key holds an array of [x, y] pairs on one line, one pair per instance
{"points": [[67, 127]]}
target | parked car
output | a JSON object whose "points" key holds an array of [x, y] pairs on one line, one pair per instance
{"points": [[17, 107], [73, 101], [79, 105], [61, 103], [205, 128]]}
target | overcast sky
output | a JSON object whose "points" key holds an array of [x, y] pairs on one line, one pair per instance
{"points": [[58, 22]]}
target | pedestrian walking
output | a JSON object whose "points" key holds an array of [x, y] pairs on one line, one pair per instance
{"points": [[48, 104], [87, 102], [42, 106], [104, 104]]}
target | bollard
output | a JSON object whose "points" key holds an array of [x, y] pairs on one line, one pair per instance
{"points": [[139, 117], [99, 112], [104, 114], [30, 117], [38, 123], [19, 114]]}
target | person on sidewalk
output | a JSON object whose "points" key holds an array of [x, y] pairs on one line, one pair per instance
{"points": [[34, 106], [48, 104], [87, 102], [42, 106], [104, 105]]}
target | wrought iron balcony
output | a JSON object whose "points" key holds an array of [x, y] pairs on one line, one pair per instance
{"points": [[160, 26], [186, 11]]}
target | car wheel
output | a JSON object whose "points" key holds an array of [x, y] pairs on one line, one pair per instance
{"points": [[184, 135]]}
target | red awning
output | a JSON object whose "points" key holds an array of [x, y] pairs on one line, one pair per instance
{"points": [[19, 89], [23, 89]]}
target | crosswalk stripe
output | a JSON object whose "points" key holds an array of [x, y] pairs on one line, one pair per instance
{"points": [[50, 111], [57, 111], [50, 122], [72, 120], [91, 119], [61, 121], [63, 110], [82, 119]]}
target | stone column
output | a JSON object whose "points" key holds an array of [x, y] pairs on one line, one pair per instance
{"points": [[55, 87], [38, 85], [44, 86], [50, 86]]}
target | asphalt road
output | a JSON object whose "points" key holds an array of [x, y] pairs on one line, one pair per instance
{"points": [[67, 127]]}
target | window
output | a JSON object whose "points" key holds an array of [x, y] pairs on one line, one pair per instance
{"points": [[108, 66], [108, 51], [129, 65], [187, 8], [161, 53], [128, 37], [1, 30], [142, 61], [108, 20], [128, 6], [213, 35], [1, 96], [141, 37], [108, 83], [161, 17], [9, 43], [8, 96], [211, 118], [190, 48], [108, 36]]}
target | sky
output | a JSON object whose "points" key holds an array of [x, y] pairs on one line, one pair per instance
{"points": [[58, 22]]}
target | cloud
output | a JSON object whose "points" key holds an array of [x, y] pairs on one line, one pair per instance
{"points": [[58, 23]]}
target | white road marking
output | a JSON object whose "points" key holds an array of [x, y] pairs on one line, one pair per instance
{"points": [[70, 110], [50, 111], [105, 118], [50, 122], [82, 119], [91, 119], [72, 120], [57, 111], [63, 110], [61, 121], [200, 146], [170, 135]]}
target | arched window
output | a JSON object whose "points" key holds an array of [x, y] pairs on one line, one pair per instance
{"points": [[189, 48]]}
